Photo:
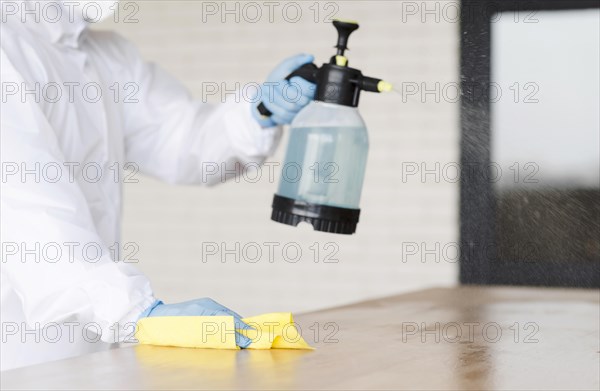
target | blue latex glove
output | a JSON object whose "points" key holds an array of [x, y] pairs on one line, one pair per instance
{"points": [[199, 307], [280, 96]]}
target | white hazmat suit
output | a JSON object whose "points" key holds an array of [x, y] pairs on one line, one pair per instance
{"points": [[62, 293]]}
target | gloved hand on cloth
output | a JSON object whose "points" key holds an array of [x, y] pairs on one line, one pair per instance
{"points": [[204, 323]]}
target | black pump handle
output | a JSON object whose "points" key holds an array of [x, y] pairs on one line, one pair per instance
{"points": [[344, 28], [307, 71]]}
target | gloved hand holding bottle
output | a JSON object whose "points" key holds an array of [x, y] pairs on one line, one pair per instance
{"points": [[285, 98], [200, 307]]}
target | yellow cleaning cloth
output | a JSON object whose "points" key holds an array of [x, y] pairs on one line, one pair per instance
{"points": [[271, 331]]}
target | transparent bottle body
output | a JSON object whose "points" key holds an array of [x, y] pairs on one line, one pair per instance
{"points": [[326, 156]]}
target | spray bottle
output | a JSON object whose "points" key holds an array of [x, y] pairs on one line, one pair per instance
{"points": [[322, 176]]}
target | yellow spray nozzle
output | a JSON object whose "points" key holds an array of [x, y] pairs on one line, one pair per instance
{"points": [[384, 86]]}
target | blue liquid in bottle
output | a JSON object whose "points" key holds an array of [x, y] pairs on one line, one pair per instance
{"points": [[326, 156]]}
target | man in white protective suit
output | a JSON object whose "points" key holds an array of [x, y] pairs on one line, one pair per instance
{"points": [[62, 293]]}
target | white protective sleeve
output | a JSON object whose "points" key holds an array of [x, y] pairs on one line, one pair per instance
{"points": [[39, 212], [181, 140]]}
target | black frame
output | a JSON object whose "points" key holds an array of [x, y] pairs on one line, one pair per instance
{"points": [[477, 205]]}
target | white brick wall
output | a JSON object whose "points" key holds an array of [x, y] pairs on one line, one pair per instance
{"points": [[171, 223]]}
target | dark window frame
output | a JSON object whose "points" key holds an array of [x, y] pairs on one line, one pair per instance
{"points": [[478, 261]]}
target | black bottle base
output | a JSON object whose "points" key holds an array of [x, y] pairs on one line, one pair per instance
{"points": [[322, 217]]}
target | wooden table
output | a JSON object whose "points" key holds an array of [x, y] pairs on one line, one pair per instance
{"points": [[456, 338]]}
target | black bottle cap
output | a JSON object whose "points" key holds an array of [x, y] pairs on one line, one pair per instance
{"points": [[323, 218], [336, 82], [339, 85]]}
